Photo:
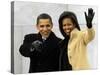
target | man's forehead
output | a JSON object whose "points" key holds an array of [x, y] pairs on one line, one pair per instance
{"points": [[44, 21]]}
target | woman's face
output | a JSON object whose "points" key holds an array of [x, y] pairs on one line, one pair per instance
{"points": [[68, 25]]}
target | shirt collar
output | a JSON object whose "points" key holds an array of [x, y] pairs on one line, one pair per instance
{"points": [[44, 38]]}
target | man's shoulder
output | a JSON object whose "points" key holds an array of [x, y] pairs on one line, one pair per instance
{"points": [[59, 39], [31, 36], [55, 37]]}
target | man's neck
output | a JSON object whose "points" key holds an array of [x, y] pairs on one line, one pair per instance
{"points": [[44, 38]]}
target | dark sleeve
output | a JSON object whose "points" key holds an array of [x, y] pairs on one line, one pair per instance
{"points": [[65, 62], [25, 48], [63, 58]]}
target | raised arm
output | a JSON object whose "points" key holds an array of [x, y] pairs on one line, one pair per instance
{"points": [[89, 33], [89, 17]]}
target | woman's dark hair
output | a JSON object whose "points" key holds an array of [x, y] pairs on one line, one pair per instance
{"points": [[44, 16], [72, 16]]}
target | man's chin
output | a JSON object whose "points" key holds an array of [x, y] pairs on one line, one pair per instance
{"points": [[46, 36]]}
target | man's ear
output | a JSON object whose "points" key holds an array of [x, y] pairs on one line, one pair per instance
{"points": [[37, 27], [51, 25]]}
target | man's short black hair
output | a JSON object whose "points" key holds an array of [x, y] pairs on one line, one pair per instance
{"points": [[44, 16]]}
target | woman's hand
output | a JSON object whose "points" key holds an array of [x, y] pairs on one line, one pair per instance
{"points": [[89, 17]]}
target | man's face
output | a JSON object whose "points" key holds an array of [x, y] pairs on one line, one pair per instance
{"points": [[68, 25], [44, 26]]}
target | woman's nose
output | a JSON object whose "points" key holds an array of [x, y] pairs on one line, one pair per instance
{"points": [[67, 27]]}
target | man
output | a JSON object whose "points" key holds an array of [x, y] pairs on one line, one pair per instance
{"points": [[42, 48]]}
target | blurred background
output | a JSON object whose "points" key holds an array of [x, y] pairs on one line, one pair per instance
{"points": [[25, 14]]}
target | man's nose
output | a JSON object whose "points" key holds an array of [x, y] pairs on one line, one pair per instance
{"points": [[45, 28]]}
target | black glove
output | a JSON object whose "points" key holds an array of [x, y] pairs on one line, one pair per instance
{"points": [[89, 17], [37, 45]]}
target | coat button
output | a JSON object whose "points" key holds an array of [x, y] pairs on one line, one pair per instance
{"points": [[68, 49], [70, 57]]}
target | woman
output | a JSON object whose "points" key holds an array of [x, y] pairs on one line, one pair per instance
{"points": [[75, 41]]}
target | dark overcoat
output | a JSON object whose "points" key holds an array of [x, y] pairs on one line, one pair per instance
{"points": [[46, 60], [63, 57]]}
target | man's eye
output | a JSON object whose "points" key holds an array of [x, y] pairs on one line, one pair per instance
{"points": [[48, 25], [41, 25]]}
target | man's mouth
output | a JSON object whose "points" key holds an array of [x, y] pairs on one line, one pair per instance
{"points": [[45, 33]]}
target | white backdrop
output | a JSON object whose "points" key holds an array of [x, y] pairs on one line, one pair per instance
{"points": [[25, 14], [5, 37]]}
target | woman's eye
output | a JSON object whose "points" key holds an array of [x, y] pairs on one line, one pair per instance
{"points": [[64, 25]]}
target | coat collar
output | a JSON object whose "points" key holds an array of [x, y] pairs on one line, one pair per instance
{"points": [[74, 33], [51, 36]]}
